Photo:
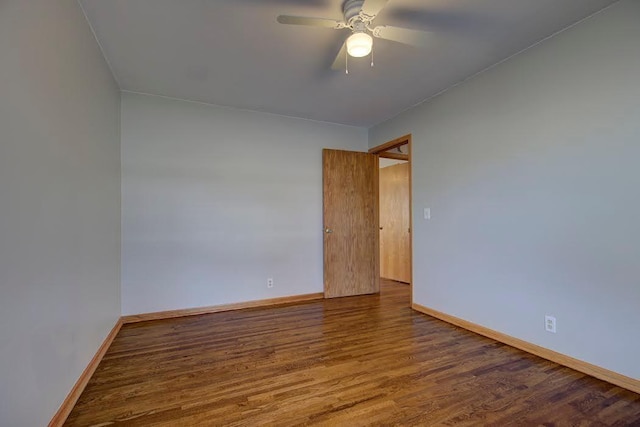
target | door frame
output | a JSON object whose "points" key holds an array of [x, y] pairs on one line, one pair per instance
{"points": [[379, 150]]}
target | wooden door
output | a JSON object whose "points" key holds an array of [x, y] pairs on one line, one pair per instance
{"points": [[395, 237], [351, 247]]}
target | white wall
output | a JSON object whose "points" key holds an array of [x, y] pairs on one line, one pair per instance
{"points": [[531, 172], [216, 200], [59, 205]]}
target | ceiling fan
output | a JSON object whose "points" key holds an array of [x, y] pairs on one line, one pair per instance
{"points": [[358, 17]]}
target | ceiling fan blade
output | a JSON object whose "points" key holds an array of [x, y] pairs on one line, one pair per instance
{"points": [[402, 35], [316, 3], [340, 63], [373, 7], [313, 22], [459, 23]]}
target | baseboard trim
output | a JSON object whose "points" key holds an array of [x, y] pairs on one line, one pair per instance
{"points": [[562, 359], [158, 315], [67, 405]]}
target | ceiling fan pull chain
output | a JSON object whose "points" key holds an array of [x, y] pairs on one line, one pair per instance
{"points": [[346, 62], [371, 56]]}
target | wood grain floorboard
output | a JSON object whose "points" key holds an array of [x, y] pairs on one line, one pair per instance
{"points": [[366, 360]]}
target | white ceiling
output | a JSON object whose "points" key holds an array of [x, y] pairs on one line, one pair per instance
{"points": [[234, 53]]}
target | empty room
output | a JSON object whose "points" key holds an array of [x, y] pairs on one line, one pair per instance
{"points": [[319, 212]]}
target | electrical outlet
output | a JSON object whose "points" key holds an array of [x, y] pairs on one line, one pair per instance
{"points": [[550, 324], [270, 282]]}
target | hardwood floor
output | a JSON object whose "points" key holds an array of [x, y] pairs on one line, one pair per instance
{"points": [[366, 360]]}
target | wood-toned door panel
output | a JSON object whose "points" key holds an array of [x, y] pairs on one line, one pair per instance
{"points": [[395, 236], [350, 200]]}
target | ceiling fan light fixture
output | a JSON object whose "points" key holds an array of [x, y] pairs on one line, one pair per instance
{"points": [[359, 44]]}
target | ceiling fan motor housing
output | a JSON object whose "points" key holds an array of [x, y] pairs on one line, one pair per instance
{"points": [[351, 10]]}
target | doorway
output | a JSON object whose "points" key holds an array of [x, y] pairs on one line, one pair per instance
{"points": [[351, 218], [395, 210]]}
